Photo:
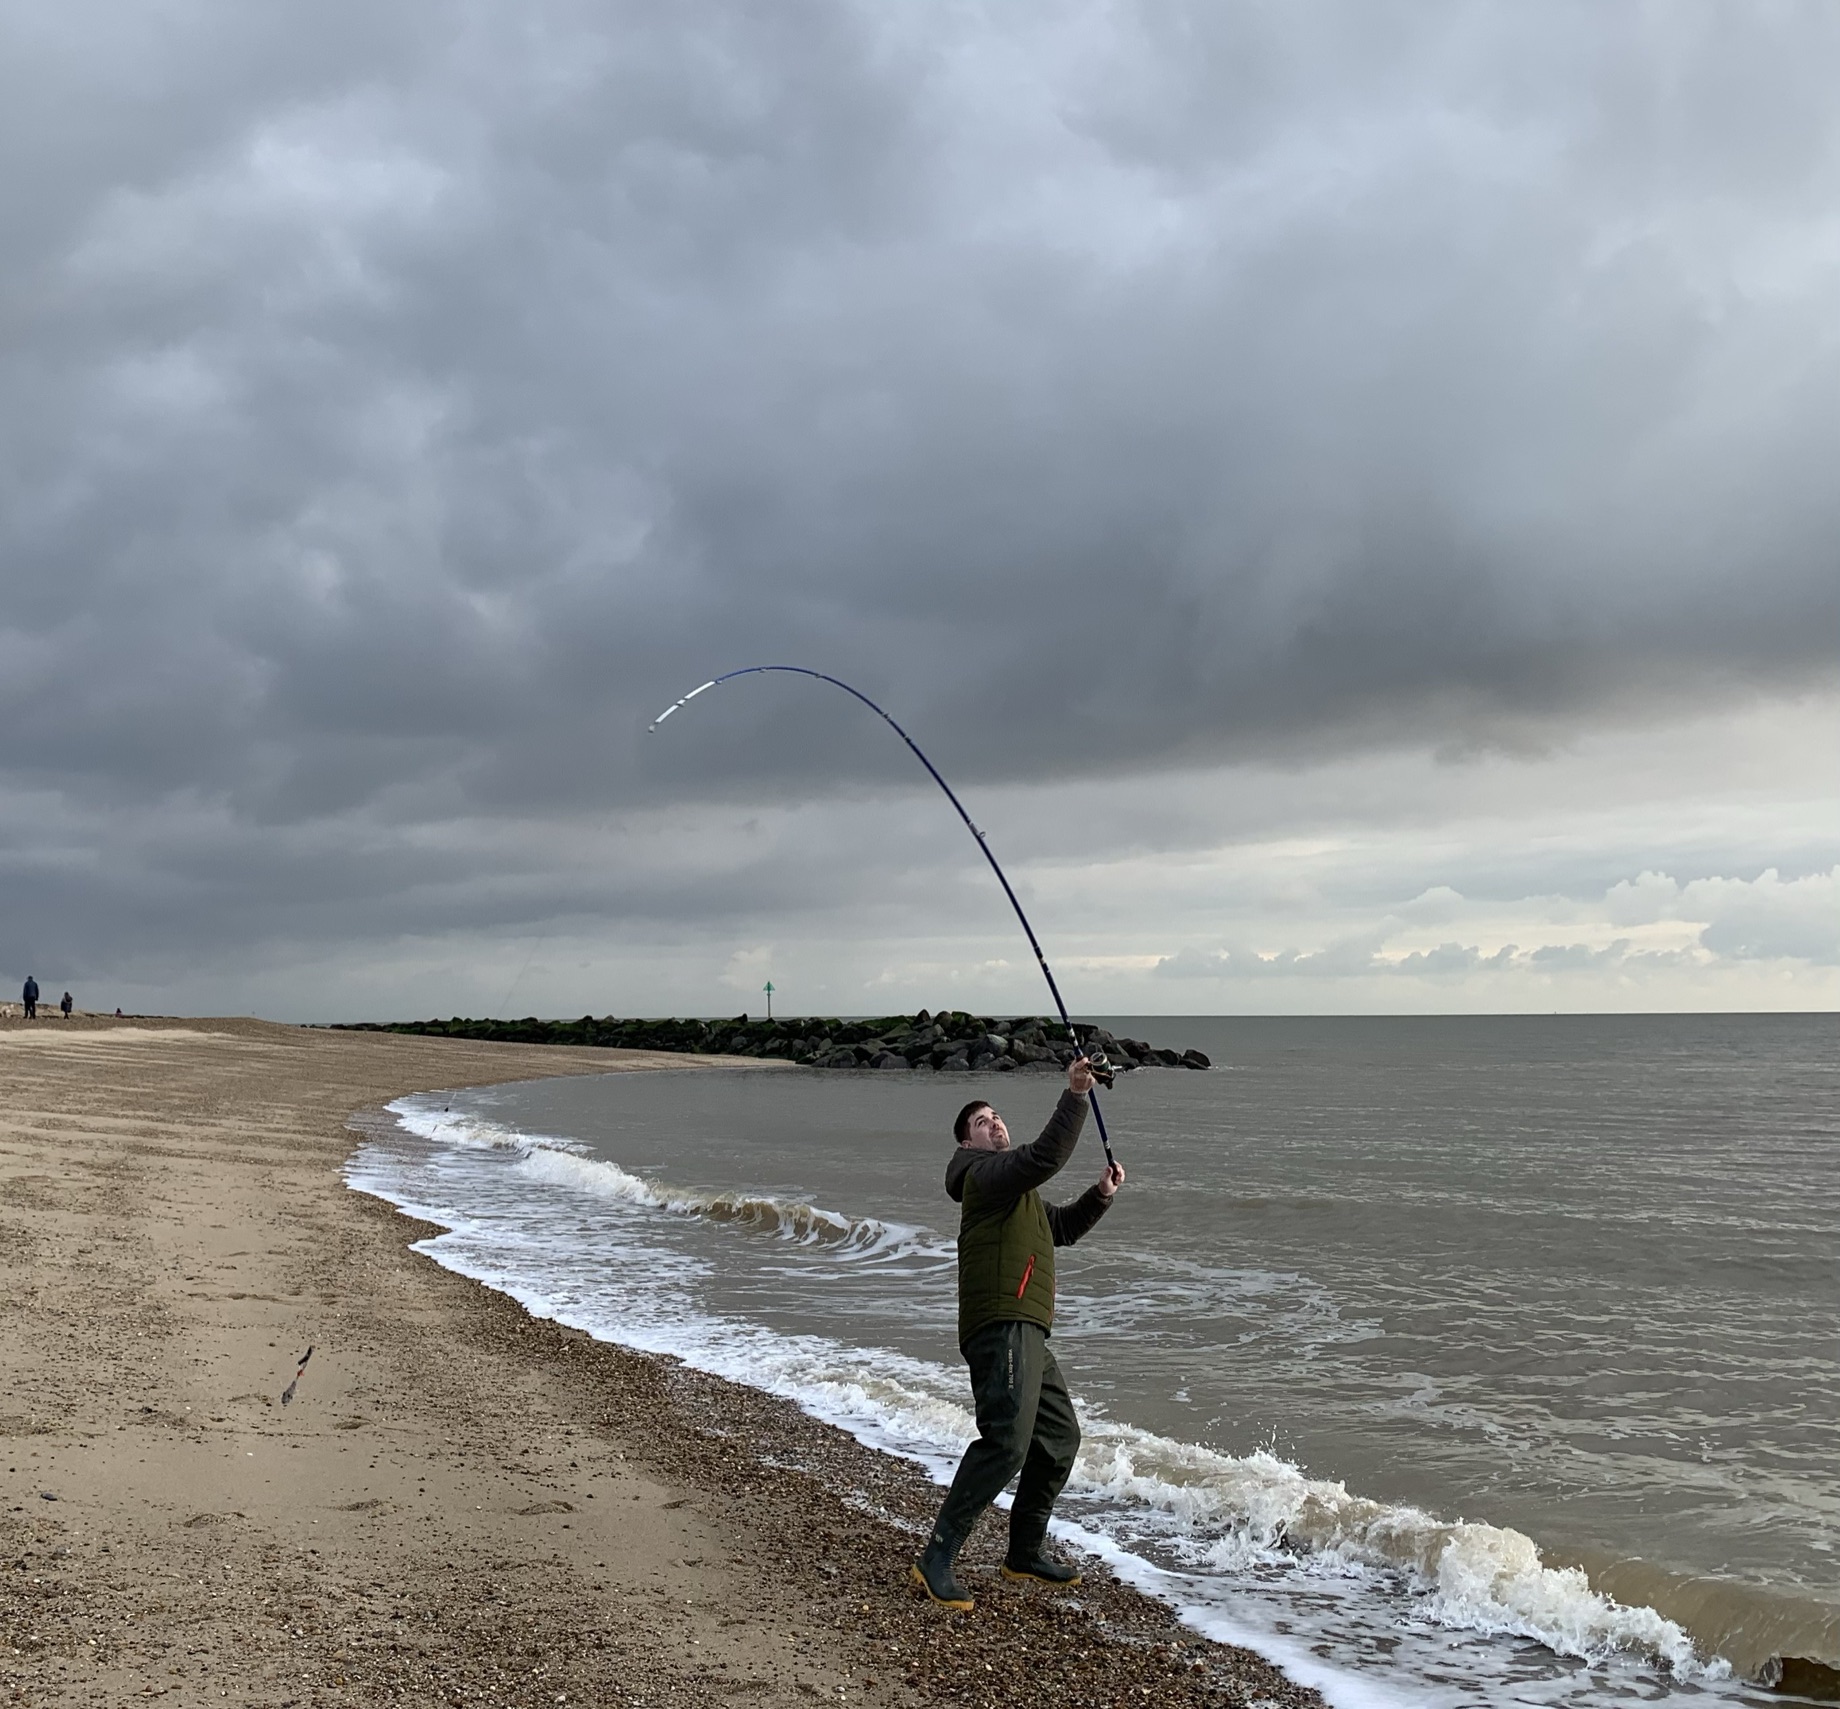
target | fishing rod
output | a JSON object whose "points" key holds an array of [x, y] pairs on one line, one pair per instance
{"points": [[1100, 1065]]}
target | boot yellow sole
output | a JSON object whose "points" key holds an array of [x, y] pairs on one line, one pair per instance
{"points": [[1036, 1578], [963, 1603]]}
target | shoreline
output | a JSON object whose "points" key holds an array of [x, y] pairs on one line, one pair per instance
{"points": [[464, 1503]]}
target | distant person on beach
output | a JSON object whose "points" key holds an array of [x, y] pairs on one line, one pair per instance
{"points": [[65, 1005], [1025, 1416], [30, 998]]}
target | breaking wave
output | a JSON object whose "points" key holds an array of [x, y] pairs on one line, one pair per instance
{"points": [[1223, 1512], [564, 1163]]}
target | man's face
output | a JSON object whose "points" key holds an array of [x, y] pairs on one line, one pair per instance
{"points": [[986, 1132]]}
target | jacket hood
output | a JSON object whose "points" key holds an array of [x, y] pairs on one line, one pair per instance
{"points": [[957, 1170]]}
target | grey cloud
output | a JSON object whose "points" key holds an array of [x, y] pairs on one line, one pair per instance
{"points": [[1435, 905], [1453, 958], [1575, 957], [1769, 917], [452, 392], [1345, 957], [1774, 940], [1447, 960], [403, 405]]}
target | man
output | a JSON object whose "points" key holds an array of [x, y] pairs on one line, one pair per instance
{"points": [[1026, 1422], [30, 998]]}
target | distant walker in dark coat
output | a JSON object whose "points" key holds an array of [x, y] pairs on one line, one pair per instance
{"points": [[30, 997], [66, 1005]]}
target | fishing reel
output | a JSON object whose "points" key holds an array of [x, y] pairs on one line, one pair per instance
{"points": [[1101, 1066]]}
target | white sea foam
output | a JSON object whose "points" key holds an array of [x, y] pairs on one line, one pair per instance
{"points": [[448, 1126], [1292, 1652], [1212, 1518], [1229, 1510], [562, 1162]]}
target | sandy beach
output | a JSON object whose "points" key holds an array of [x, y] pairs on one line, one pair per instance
{"points": [[461, 1504]]}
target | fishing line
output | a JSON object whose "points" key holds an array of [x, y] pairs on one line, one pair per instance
{"points": [[983, 842], [504, 1003]]}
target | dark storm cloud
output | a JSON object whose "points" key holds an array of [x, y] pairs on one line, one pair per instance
{"points": [[399, 405]]}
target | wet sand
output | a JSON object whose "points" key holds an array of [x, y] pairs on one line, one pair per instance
{"points": [[462, 1504]]}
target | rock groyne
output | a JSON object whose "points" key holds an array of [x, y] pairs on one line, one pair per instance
{"points": [[950, 1041]]}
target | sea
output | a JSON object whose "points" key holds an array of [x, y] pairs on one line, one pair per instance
{"points": [[1445, 1361]]}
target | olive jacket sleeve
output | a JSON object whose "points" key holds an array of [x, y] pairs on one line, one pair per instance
{"points": [[1069, 1222], [1007, 1175]]}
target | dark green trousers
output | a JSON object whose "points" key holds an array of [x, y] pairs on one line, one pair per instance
{"points": [[1026, 1424]]}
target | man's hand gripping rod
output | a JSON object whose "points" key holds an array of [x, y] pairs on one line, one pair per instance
{"points": [[1105, 1139]]}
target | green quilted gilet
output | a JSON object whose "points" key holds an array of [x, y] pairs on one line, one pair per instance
{"points": [[1005, 1262]]}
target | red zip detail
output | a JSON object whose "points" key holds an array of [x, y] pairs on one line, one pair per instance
{"points": [[1028, 1271]]}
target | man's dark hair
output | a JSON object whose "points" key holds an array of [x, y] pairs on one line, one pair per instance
{"points": [[961, 1129]]}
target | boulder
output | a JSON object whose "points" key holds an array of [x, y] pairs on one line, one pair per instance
{"points": [[1194, 1059], [888, 1059], [955, 1064]]}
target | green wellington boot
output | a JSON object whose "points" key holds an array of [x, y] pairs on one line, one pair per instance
{"points": [[933, 1573]]}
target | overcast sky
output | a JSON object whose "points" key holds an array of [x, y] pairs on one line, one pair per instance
{"points": [[1346, 491]]}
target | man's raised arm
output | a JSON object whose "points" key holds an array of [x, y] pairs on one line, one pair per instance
{"points": [[1010, 1174]]}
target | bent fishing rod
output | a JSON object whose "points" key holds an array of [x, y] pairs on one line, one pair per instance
{"points": [[983, 843]]}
